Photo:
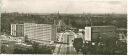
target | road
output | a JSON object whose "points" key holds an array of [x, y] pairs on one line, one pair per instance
{"points": [[65, 48]]}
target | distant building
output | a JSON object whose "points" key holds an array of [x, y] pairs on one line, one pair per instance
{"points": [[37, 32], [94, 32]]}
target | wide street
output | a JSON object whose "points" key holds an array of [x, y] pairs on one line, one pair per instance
{"points": [[65, 48]]}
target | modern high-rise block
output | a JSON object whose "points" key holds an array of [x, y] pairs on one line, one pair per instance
{"points": [[17, 30], [37, 32]]}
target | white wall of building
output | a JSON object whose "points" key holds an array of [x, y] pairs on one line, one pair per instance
{"points": [[13, 29], [38, 31], [87, 34], [17, 30]]}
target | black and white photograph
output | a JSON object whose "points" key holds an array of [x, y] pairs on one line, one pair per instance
{"points": [[63, 27]]}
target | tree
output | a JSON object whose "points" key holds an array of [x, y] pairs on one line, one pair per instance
{"points": [[3, 48], [19, 49], [41, 49], [78, 44], [87, 48], [35, 47]]}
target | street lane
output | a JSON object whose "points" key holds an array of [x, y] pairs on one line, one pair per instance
{"points": [[63, 49], [66, 37]]}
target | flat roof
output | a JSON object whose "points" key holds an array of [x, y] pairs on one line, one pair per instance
{"points": [[31, 23], [122, 29], [38, 24], [16, 24], [100, 26]]}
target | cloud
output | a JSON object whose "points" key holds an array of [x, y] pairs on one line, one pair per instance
{"points": [[64, 6]]}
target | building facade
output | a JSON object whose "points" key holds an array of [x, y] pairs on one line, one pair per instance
{"points": [[17, 30], [94, 32], [36, 32]]}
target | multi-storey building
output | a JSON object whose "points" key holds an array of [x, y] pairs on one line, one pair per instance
{"points": [[17, 29], [94, 32], [39, 32]]}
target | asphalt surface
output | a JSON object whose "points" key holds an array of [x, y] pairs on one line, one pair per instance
{"points": [[65, 48]]}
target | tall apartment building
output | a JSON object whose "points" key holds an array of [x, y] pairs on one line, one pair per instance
{"points": [[17, 29], [38, 32], [93, 32]]}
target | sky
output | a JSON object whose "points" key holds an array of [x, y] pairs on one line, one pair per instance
{"points": [[64, 6]]}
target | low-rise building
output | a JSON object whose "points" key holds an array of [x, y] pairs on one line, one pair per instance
{"points": [[94, 32]]}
